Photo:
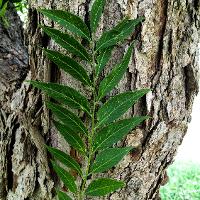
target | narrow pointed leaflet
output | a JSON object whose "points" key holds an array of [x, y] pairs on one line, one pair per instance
{"points": [[116, 74], [66, 177], [108, 158], [68, 20], [73, 139], [64, 94], [68, 65], [67, 42], [68, 118], [65, 159], [95, 14], [114, 132], [122, 31], [63, 196], [103, 186], [103, 59], [117, 106]]}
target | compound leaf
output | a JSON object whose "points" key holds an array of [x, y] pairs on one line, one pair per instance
{"points": [[108, 158], [65, 94], [66, 177], [68, 20], [116, 74], [68, 65], [103, 186], [65, 159], [63, 196], [118, 105], [67, 42], [95, 14], [71, 137], [124, 29], [67, 117], [114, 132]]}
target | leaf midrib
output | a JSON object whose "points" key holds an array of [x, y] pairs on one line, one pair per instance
{"points": [[73, 69], [100, 188], [56, 36], [114, 134], [66, 160], [65, 97], [68, 116], [109, 160], [71, 25], [114, 111]]}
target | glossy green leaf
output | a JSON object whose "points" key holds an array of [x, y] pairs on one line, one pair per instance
{"points": [[66, 177], [118, 105], [67, 42], [67, 117], [114, 132], [103, 59], [64, 94], [103, 186], [122, 31], [68, 20], [95, 14], [68, 65], [116, 74], [108, 158], [65, 159], [63, 196], [71, 137]]}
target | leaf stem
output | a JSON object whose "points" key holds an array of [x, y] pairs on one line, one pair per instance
{"points": [[92, 132]]}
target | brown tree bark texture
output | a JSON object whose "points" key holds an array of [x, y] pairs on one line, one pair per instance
{"points": [[165, 60]]}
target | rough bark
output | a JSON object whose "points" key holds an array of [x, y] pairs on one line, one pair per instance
{"points": [[164, 60]]}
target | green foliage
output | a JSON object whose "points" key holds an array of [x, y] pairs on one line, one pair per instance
{"points": [[115, 76], [68, 65], [114, 132], [103, 186], [68, 20], [65, 159], [66, 177], [71, 137], [94, 139], [108, 158]]}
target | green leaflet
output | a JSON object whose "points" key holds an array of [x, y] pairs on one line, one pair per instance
{"points": [[66, 177], [103, 59], [71, 137], [114, 132], [116, 74], [65, 159], [67, 117], [108, 158], [67, 42], [68, 20], [95, 14], [118, 105], [65, 94], [63, 196], [103, 186], [69, 65], [3, 9], [124, 29]]}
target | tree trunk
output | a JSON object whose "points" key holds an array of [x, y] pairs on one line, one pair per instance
{"points": [[165, 60]]}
